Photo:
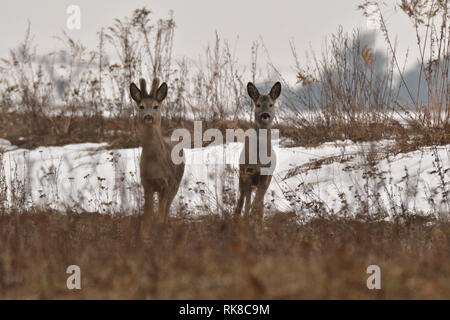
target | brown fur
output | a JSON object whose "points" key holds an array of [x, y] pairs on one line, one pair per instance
{"points": [[158, 173], [250, 177]]}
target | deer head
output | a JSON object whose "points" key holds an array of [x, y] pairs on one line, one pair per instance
{"points": [[149, 104], [264, 104]]}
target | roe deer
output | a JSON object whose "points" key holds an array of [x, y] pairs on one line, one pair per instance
{"points": [[250, 176], [158, 173]]}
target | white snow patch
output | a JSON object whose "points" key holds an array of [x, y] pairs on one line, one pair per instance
{"points": [[331, 178]]}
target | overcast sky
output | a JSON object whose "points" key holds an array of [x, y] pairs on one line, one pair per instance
{"points": [[305, 22]]}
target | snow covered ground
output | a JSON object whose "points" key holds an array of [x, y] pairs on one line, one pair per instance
{"points": [[338, 177]]}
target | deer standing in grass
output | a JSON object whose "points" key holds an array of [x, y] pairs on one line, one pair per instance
{"points": [[251, 176], [158, 173]]}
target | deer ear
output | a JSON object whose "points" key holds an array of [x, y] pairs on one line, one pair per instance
{"points": [[135, 93], [275, 91], [252, 91], [162, 92]]}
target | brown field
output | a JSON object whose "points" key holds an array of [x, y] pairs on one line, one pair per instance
{"points": [[220, 258]]}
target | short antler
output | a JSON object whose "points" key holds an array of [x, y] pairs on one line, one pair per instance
{"points": [[155, 85], [153, 90], [143, 86]]}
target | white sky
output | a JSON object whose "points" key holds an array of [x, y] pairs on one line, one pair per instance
{"points": [[305, 22]]}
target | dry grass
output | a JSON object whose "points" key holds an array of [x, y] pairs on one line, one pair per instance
{"points": [[216, 257], [119, 132]]}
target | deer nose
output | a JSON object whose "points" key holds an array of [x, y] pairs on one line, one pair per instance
{"points": [[265, 116], [148, 118]]}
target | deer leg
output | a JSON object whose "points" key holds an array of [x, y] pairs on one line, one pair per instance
{"points": [[148, 204], [148, 207], [258, 202], [162, 204], [240, 202]]}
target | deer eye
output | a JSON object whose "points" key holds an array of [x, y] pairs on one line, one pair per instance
{"points": [[271, 105], [141, 107], [258, 105], [155, 107]]}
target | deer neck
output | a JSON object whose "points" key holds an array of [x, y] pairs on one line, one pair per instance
{"points": [[268, 137], [151, 140], [261, 139]]}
